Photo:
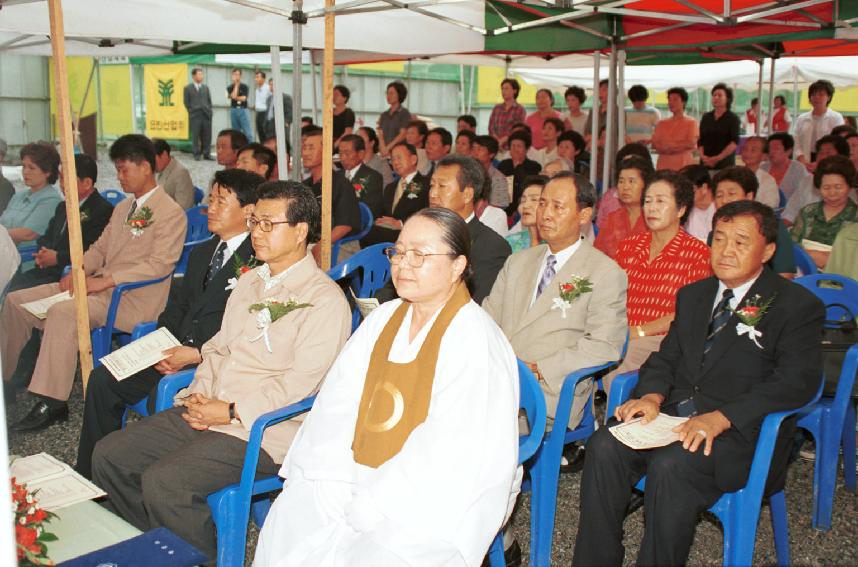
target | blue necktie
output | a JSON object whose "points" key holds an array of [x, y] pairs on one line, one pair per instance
{"points": [[719, 320], [547, 274]]}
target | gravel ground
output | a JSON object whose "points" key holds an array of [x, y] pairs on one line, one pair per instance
{"points": [[808, 546]]}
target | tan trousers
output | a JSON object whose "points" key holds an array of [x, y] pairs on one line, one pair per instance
{"points": [[637, 353], [55, 368]]}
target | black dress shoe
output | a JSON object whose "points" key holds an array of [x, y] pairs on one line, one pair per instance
{"points": [[41, 416], [574, 455], [511, 556]]}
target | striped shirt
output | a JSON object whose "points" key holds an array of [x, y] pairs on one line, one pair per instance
{"points": [[653, 285]]}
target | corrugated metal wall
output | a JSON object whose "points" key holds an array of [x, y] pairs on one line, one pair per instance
{"points": [[24, 101]]}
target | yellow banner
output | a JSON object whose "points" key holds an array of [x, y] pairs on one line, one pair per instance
{"points": [[79, 72], [166, 116], [489, 88], [115, 87]]}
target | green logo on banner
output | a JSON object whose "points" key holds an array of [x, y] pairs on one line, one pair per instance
{"points": [[165, 89]]}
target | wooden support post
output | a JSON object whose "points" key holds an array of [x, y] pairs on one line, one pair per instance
{"points": [[64, 123], [328, 138]]}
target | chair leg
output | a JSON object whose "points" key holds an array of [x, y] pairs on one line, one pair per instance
{"points": [[231, 526], [824, 478], [849, 448], [259, 509], [740, 534], [777, 503], [544, 476], [496, 558]]}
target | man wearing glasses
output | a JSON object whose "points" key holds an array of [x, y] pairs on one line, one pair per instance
{"points": [[283, 327]]}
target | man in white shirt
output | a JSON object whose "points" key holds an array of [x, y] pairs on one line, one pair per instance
{"points": [[813, 125], [261, 104], [752, 154]]}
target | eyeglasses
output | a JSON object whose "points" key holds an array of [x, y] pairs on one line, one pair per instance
{"points": [[415, 258], [264, 225]]}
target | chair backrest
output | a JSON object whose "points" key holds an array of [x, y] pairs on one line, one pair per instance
{"points": [[532, 401], [198, 224], [199, 195], [366, 221], [838, 293], [113, 196], [804, 262], [374, 269]]}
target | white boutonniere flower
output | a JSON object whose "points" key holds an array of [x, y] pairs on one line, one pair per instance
{"points": [[750, 315], [268, 311], [569, 292]]}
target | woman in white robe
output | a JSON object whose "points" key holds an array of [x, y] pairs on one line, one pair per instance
{"points": [[440, 498]]}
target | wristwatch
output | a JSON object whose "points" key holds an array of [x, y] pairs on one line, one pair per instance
{"points": [[232, 419], [640, 330]]}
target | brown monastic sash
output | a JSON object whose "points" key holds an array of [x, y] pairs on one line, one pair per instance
{"points": [[396, 396]]}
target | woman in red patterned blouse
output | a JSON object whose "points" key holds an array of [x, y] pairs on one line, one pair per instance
{"points": [[658, 263], [635, 174]]}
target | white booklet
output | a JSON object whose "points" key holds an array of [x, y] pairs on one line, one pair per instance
{"points": [[39, 308], [55, 484], [656, 433], [815, 246], [365, 305], [142, 353]]}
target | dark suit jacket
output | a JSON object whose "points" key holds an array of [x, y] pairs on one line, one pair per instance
{"points": [[489, 251], [372, 194], [56, 236], [198, 102], [738, 378], [194, 314], [406, 206]]}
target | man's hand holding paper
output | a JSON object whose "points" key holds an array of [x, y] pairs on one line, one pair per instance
{"points": [[178, 357], [647, 405]]}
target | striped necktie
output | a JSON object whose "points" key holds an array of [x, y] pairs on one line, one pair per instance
{"points": [[547, 274], [719, 320], [216, 263]]}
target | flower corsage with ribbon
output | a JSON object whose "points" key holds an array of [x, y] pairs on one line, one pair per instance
{"points": [[268, 311], [412, 190], [84, 216], [140, 221], [570, 291], [30, 535], [240, 267], [750, 314], [359, 186]]}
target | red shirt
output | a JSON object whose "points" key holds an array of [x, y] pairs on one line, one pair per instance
{"points": [[614, 228], [653, 285]]}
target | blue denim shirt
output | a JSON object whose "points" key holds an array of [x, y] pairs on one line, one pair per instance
{"points": [[31, 210]]}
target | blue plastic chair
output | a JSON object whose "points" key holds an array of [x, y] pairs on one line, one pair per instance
{"points": [[102, 337], [366, 221], [199, 195], [367, 272], [27, 252], [831, 421], [114, 196], [839, 294], [532, 402], [804, 262], [198, 232], [739, 511], [545, 468], [231, 506]]}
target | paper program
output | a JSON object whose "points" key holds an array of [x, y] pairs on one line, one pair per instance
{"points": [[656, 433]]}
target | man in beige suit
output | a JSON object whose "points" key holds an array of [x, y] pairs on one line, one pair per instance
{"points": [[158, 472], [552, 335], [173, 177], [142, 241]]}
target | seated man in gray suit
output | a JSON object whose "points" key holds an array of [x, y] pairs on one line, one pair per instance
{"points": [[535, 299]]}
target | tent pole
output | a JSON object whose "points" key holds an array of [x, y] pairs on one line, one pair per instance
{"points": [[328, 131], [794, 93], [594, 113], [471, 90], [621, 98], [58, 49], [315, 87], [757, 128], [462, 88], [770, 121], [610, 117], [299, 18], [279, 119]]}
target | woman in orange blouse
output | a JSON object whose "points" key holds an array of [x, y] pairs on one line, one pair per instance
{"points": [[676, 137], [635, 173], [658, 263]]}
